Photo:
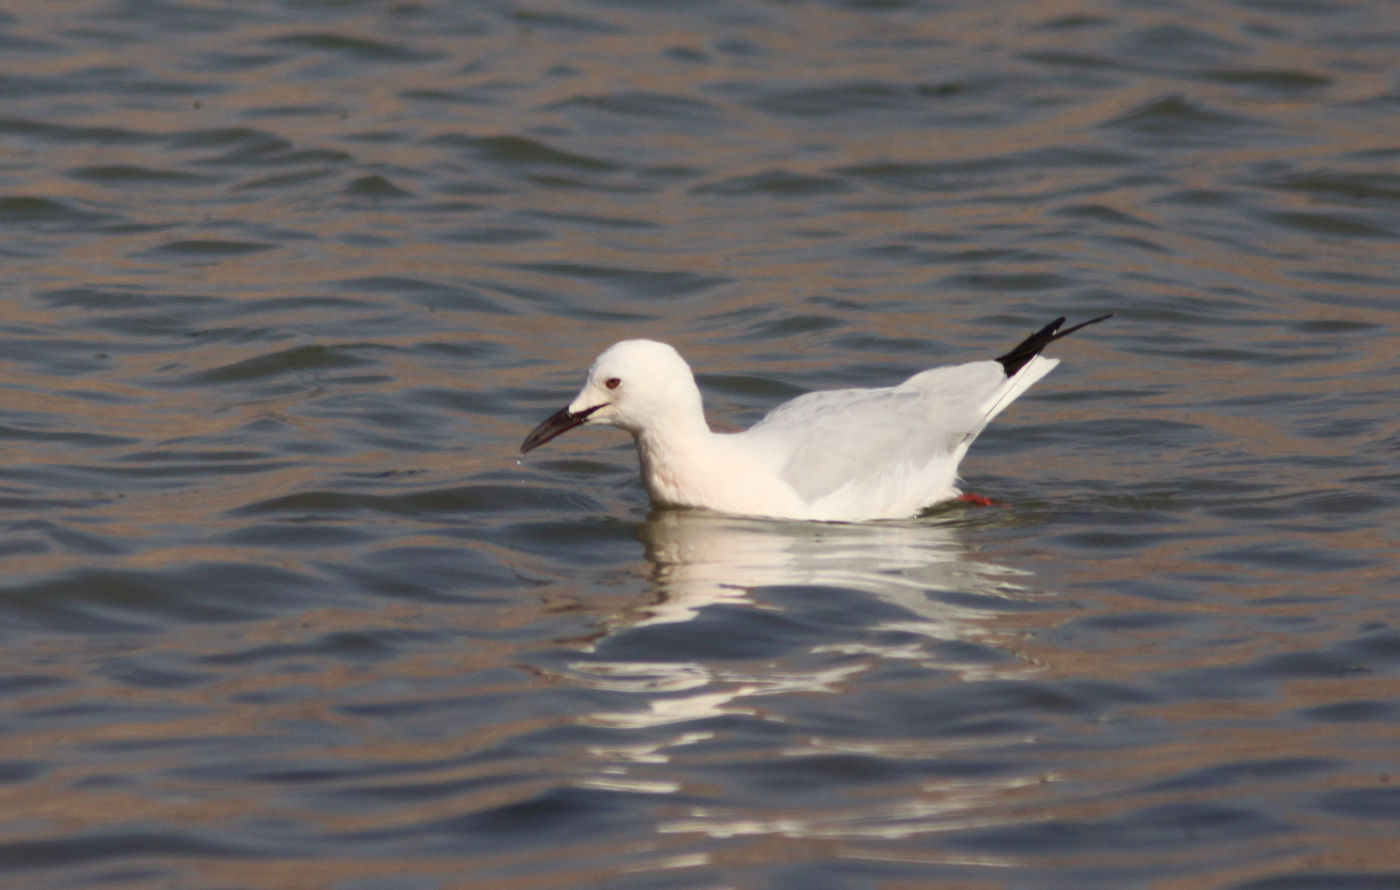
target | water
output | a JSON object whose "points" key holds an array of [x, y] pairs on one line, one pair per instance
{"points": [[287, 283]]}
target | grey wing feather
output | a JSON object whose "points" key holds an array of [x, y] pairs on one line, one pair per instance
{"points": [[839, 436]]}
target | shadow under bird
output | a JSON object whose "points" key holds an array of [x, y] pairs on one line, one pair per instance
{"points": [[842, 455]]}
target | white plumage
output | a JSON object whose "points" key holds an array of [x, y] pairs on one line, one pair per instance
{"points": [[834, 455]]}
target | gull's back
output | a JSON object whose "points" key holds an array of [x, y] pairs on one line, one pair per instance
{"points": [[885, 453]]}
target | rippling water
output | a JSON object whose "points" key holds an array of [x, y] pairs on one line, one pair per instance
{"points": [[287, 282]]}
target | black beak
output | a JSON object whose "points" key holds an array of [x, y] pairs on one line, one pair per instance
{"points": [[557, 424]]}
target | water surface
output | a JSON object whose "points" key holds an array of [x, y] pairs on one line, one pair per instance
{"points": [[287, 283]]}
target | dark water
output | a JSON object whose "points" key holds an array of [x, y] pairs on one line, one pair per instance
{"points": [[287, 282]]}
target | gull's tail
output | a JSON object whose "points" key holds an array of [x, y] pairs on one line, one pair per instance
{"points": [[1029, 348], [1022, 358]]}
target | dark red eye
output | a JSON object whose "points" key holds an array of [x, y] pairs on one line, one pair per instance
{"points": [[612, 383]]}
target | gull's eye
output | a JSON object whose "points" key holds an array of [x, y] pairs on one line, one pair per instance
{"points": [[612, 383]]}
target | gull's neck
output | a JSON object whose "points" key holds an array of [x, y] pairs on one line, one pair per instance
{"points": [[685, 464], [679, 458]]}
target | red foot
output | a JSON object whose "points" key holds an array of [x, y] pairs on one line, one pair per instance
{"points": [[977, 499]]}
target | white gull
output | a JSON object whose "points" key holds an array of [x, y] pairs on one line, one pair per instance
{"points": [[836, 455]]}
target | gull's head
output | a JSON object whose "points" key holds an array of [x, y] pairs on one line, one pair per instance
{"points": [[634, 385]]}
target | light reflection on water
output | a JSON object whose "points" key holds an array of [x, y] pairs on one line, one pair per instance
{"points": [[701, 560]]}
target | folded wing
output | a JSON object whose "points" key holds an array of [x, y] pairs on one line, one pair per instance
{"points": [[917, 431]]}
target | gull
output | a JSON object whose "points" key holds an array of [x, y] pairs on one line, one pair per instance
{"points": [[844, 455]]}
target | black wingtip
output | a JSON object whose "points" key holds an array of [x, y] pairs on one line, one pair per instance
{"points": [[1029, 348]]}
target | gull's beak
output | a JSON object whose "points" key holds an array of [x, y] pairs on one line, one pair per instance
{"points": [[557, 424]]}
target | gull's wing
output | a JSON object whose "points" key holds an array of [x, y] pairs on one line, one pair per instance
{"points": [[838, 438]]}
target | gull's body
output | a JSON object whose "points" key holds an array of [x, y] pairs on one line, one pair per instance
{"points": [[835, 455]]}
